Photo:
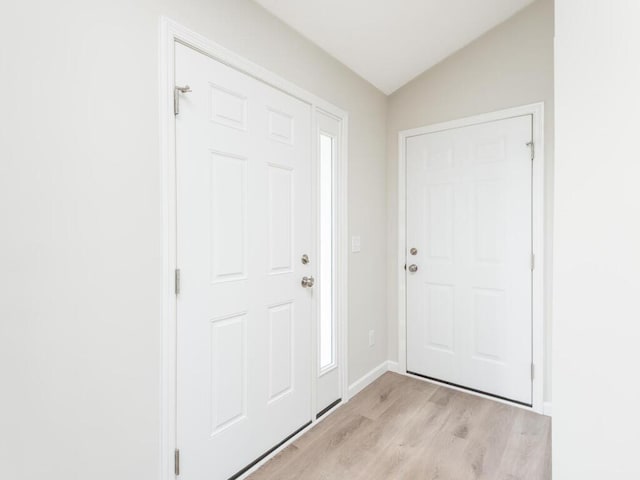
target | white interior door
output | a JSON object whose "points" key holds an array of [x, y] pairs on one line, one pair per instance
{"points": [[469, 279], [244, 220]]}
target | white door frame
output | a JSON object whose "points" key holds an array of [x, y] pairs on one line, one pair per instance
{"points": [[170, 33], [537, 111]]}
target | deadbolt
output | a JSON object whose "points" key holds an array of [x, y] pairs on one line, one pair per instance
{"points": [[413, 251], [307, 282], [413, 268], [305, 259]]}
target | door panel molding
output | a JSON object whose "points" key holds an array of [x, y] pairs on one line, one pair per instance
{"points": [[536, 110], [171, 33]]}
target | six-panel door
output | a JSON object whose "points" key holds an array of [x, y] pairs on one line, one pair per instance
{"points": [[469, 218], [243, 223]]}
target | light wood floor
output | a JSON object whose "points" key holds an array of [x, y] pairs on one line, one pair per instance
{"points": [[403, 428]]}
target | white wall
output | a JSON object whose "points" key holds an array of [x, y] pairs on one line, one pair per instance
{"points": [[80, 212], [509, 66], [597, 241]]}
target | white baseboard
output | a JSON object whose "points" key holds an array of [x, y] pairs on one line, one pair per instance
{"points": [[547, 409], [393, 366], [368, 378]]}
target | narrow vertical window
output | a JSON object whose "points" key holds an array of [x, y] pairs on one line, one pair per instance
{"points": [[327, 327]]}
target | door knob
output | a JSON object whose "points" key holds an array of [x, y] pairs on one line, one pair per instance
{"points": [[413, 268], [307, 282]]}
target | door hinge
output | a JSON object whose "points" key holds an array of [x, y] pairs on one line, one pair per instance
{"points": [[532, 146], [176, 462], [533, 371], [533, 261], [177, 281], [176, 97]]}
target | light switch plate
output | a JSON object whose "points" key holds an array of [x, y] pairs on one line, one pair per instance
{"points": [[355, 244]]}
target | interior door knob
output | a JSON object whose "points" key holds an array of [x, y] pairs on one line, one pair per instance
{"points": [[307, 282], [413, 268]]}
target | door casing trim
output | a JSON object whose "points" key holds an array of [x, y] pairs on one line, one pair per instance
{"points": [[171, 32], [538, 234]]}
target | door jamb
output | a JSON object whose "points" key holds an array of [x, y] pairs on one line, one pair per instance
{"points": [[538, 234], [170, 33]]}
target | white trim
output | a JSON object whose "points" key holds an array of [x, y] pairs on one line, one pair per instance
{"points": [[548, 409], [368, 378], [168, 322], [393, 367], [342, 253], [170, 33], [537, 111]]}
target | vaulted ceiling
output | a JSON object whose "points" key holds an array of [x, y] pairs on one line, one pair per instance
{"points": [[390, 42]]}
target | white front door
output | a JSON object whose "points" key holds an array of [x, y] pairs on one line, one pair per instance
{"points": [[469, 278], [244, 220]]}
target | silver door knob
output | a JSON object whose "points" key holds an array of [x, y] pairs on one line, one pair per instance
{"points": [[413, 268], [307, 282]]}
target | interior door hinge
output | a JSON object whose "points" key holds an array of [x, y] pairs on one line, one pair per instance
{"points": [[532, 146], [177, 281], [533, 371], [533, 262], [176, 458], [176, 97]]}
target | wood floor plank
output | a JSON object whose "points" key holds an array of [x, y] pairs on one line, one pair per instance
{"points": [[406, 446], [526, 455], [371, 442], [441, 453], [319, 454], [402, 428], [276, 464], [488, 441], [369, 403]]}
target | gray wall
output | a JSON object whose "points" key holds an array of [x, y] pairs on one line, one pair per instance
{"points": [[80, 207], [509, 66]]}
